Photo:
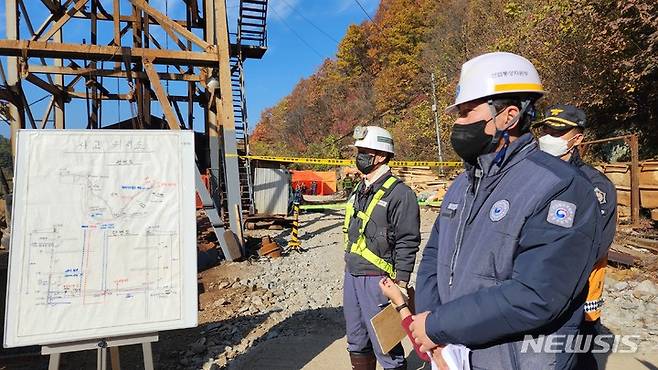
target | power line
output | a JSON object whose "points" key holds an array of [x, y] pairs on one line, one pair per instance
{"points": [[296, 34], [310, 22], [367, 14]]}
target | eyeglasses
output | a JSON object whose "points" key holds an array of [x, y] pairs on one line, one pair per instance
{"points": [[359, 133]]}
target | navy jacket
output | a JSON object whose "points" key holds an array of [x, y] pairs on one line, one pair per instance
{"points": [[510, 255], [606, 194]]}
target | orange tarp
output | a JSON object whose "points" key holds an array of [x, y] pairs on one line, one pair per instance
{"points": [[325, 181]]}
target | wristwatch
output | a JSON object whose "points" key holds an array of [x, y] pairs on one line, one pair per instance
{"points": [[400, 307]]}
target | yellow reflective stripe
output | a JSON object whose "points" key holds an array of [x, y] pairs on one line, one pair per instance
{"points": [[349, 212], [362, 250], [518, 86], [360, 247]]}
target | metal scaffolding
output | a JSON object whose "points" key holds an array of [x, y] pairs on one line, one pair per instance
{"points": [[135, 54]]}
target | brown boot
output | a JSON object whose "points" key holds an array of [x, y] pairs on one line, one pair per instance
{"points": [[363, 360]]}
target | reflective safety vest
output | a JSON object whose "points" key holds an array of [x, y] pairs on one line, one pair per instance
{"points": [[359, 246], [594, 301]]}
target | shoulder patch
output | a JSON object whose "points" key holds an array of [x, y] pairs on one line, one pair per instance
{"points": [[382, 203], [499, 210], [561, 213], [600, 195]]}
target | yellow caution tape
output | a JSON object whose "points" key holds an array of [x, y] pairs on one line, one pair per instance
{"points": [[347, 162]]}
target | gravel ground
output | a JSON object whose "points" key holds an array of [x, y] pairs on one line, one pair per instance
{"points": [[288, 310]]}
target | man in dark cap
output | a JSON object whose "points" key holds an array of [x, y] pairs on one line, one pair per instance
{"points": [[561, 132]]}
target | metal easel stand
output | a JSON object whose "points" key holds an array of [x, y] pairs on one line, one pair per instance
{"points": [[101, 346]]}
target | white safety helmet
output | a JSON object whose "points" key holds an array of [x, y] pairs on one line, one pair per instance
{"points": [[495, 74], [373, 137]]}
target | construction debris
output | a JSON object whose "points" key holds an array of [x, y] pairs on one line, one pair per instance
{"points": [[269, 248], [419, 179]]}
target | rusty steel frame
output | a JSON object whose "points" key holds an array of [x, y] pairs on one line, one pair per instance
{"points": [[196, 59], [632, 142]]}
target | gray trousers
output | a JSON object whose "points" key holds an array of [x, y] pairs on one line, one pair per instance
{"points": [[361, 299]]}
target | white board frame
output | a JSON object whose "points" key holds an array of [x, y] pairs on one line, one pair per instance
{"points": [[187, 237]]}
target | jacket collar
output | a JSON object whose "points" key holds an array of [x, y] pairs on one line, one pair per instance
{"points": [[363, 188], [576, 159], [379, 173], [490, 164]]}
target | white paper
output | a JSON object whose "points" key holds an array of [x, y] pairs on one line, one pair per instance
{"points": [[456, 356], [103, 238]]}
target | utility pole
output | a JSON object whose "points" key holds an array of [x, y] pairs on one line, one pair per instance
{"points": [[436, 124]]}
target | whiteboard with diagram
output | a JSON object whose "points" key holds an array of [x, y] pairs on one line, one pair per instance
{"points": [[103, 239]]}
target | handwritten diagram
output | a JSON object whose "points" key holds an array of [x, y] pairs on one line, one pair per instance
{"points": [[104, 235]]}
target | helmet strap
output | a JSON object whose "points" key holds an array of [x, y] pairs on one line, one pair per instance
{"points": [[499, 133], [504, 133]]}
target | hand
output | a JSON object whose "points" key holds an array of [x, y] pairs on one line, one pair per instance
{"points": [[417, 328], [391, 291], [437, 357]]}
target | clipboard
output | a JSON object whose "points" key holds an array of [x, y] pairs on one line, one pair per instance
{"points": [[388, 329], [387, 324]]}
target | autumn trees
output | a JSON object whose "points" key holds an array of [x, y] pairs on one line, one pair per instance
{"points": [[599, 54]]}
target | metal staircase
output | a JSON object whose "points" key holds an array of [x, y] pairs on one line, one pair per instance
{"points": [[249, 42], [242, 133], [252, 23]]}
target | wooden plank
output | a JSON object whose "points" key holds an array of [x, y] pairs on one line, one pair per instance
{"points": [[17, 48], [621, 258]]}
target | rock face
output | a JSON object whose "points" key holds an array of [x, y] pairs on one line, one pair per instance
{"points": [[631, 308]]}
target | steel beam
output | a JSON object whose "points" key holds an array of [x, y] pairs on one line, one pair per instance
{"points": [[111, 73], [16, 112], [59, 100], [165, 22], [227, 118], [212, 126], [62, 20], [37, 49], [635, 180]]}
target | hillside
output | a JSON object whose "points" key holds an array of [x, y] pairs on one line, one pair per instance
{"points": [[601, 55]]}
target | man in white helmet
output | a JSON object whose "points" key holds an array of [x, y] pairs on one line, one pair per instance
{"points": [[511, 250], [382, 234]]}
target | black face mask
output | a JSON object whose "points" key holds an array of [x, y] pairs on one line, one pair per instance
{"points": [[470, 141], [365, 162]]}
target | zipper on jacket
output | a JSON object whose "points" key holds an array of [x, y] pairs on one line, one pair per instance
{"points": [[459, 238]]}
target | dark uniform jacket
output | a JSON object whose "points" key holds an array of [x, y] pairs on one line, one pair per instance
{"points": [[509, 255], [606, 194], [393, 232]]}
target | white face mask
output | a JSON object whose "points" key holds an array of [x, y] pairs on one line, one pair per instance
{"points": [[555, 146]]}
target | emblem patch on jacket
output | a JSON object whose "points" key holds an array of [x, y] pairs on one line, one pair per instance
{"points": [[600, 195], [499, 210], [561, 213]]}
